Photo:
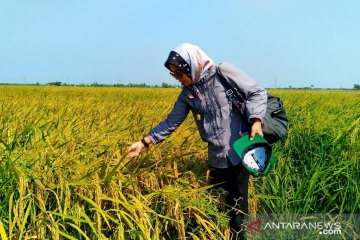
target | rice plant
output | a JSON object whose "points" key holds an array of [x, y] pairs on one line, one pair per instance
{"points": [[64, 175]]}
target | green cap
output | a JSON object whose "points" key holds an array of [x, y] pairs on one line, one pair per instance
{"points": [[256, 155]]}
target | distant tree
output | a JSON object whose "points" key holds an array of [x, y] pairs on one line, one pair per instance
{"points": [[55, 83], [357, 86], [165, 85]]}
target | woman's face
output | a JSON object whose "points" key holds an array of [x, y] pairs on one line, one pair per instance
{"points": [[180, 76]]}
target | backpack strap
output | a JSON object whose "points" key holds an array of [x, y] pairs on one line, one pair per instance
{"points": [[231, 91]]}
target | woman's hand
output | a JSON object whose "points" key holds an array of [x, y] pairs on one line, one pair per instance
{"points": [[135, 149], [256, 128]]}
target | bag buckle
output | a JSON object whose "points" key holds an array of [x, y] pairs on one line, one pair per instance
{"points": [[229, 92]]}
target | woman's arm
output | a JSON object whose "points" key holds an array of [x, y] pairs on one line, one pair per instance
{"points": [[255, 95], [163, 129]]}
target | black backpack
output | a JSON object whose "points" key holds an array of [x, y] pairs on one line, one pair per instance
{"points": [[275, 121]]}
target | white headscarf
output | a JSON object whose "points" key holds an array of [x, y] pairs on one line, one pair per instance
{"points": [[198, 60]]}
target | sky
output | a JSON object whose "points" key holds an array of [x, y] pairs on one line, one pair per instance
{"points": [[279, 43]]}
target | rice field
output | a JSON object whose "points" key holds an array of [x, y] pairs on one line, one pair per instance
{"points": [[64, 175]]}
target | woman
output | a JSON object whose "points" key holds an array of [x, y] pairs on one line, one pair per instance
{"points": [[218, 122]]}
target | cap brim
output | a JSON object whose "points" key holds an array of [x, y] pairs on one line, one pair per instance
{"points": [[244, 142]]}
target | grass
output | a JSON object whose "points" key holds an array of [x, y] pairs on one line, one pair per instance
{"points": [[64, 175]]}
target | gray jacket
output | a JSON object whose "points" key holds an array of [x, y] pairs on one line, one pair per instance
{"points": [[219, 124]]}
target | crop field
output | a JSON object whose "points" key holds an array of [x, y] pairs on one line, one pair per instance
{"points": [[64, 174]]}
